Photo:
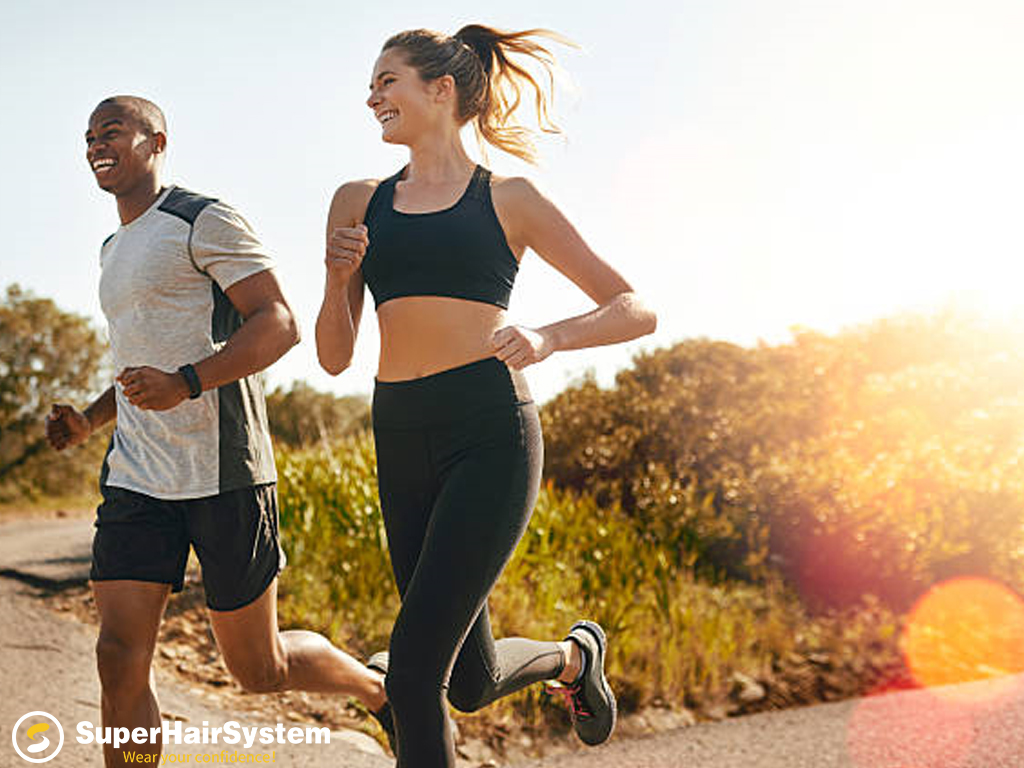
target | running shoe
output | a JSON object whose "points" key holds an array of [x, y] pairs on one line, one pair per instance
{"points": [[590, 700], [379, 663]]}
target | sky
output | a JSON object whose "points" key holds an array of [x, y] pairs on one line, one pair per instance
{"points": [[750, 166]]}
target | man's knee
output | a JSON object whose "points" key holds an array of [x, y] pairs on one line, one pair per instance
{"points": [[263, 676], [123, 667]]}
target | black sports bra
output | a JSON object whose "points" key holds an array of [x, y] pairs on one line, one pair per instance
{"points": [[460, 252]]}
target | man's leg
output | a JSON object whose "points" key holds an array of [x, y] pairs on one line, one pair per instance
{"points": [[130, 614], [236, 538], [264, 659]]}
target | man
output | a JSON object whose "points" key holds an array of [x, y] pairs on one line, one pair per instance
{"points": [[194, 312]]}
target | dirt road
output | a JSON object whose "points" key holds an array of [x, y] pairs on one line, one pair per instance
{"points": [[979, 725], [48, 665]]}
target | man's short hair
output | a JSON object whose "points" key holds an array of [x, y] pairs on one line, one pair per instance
{"points": [[149, 116]]}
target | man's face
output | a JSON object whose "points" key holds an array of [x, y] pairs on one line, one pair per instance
{"points": [[120, 152]]}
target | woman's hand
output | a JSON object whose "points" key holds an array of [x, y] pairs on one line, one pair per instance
{"points": [[346, 247], [519, 347]]}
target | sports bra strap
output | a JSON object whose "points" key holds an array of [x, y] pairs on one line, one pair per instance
{"points": [[383, 195], [480, 184]]}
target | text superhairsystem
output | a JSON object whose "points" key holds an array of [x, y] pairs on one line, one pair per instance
{"points": [[231, 732]]}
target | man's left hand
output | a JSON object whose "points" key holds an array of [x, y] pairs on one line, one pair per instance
{"points": [[151, 389]]}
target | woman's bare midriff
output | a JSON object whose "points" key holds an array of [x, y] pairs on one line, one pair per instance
{"points": [[422, 335]]}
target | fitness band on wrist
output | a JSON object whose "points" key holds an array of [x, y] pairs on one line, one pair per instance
{"points": [[195, 388]]}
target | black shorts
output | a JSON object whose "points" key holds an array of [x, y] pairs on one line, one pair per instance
{"points": [[234, 534]]}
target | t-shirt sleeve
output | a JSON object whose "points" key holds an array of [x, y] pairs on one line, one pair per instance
{"points": [[225, 247]]}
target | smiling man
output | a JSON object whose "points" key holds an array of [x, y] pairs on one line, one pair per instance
{"points": [[194, 312]]}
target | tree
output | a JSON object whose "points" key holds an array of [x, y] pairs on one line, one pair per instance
{"points": [[47, 355], [302, 415]]}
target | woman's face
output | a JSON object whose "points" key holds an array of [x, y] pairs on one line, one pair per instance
{"points": [[404, 105]]}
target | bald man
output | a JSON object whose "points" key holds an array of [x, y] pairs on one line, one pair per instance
{"points": [[194, 312]]}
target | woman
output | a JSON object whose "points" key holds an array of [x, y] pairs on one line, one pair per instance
{"points": [[457, 435]]}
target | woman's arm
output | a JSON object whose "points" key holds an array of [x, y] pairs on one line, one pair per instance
{"points": [[530, 220], [337, 325]]}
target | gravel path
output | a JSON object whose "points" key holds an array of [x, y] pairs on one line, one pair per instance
{"points": [[980, 725]]}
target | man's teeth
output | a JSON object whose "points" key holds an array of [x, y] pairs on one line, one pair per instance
{"points": [[386, 116], [100, 165]]}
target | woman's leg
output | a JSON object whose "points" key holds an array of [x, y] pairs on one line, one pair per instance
{"points": [[487, 669], [407, 489], [489, 469]]}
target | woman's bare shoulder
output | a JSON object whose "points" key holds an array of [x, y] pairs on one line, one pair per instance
{"points": [[348, 206]]}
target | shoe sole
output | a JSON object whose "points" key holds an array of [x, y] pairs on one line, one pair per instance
{"points": [[602, 645], [379, 662]]}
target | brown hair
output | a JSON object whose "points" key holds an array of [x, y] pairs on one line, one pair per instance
{"points": [[488, 82]]}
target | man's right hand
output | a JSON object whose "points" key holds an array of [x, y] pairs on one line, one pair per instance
{"points": [[66, 427]]}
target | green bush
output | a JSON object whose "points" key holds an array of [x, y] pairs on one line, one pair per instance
{"points": [[339, 576], [876, 461], [675, 639]]}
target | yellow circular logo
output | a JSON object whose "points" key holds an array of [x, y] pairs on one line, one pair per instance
{"points": [[37, 737]]}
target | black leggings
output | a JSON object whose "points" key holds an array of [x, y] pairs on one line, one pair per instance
{"points": [[459, 457]]}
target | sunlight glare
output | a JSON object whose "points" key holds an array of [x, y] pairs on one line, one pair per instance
{"points": [[966, 629]]}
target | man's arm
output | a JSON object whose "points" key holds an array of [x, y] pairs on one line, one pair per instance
{"points": [[66, 426], [268, 331]]}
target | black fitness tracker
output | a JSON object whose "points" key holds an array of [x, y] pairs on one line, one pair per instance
{"points": [[195, 389]]}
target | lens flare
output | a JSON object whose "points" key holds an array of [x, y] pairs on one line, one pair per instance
{"points": [[962, 630]]}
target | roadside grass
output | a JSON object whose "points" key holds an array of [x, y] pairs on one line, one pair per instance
{"points": [[676, 641]]}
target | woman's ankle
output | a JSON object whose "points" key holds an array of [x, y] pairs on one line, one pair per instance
{"points": [[573, 666]]}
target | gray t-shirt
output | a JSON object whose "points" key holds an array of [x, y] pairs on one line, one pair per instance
{"points": [[162, 290]]}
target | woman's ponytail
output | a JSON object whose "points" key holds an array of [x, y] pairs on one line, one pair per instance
{"points": [[490, 78]]}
